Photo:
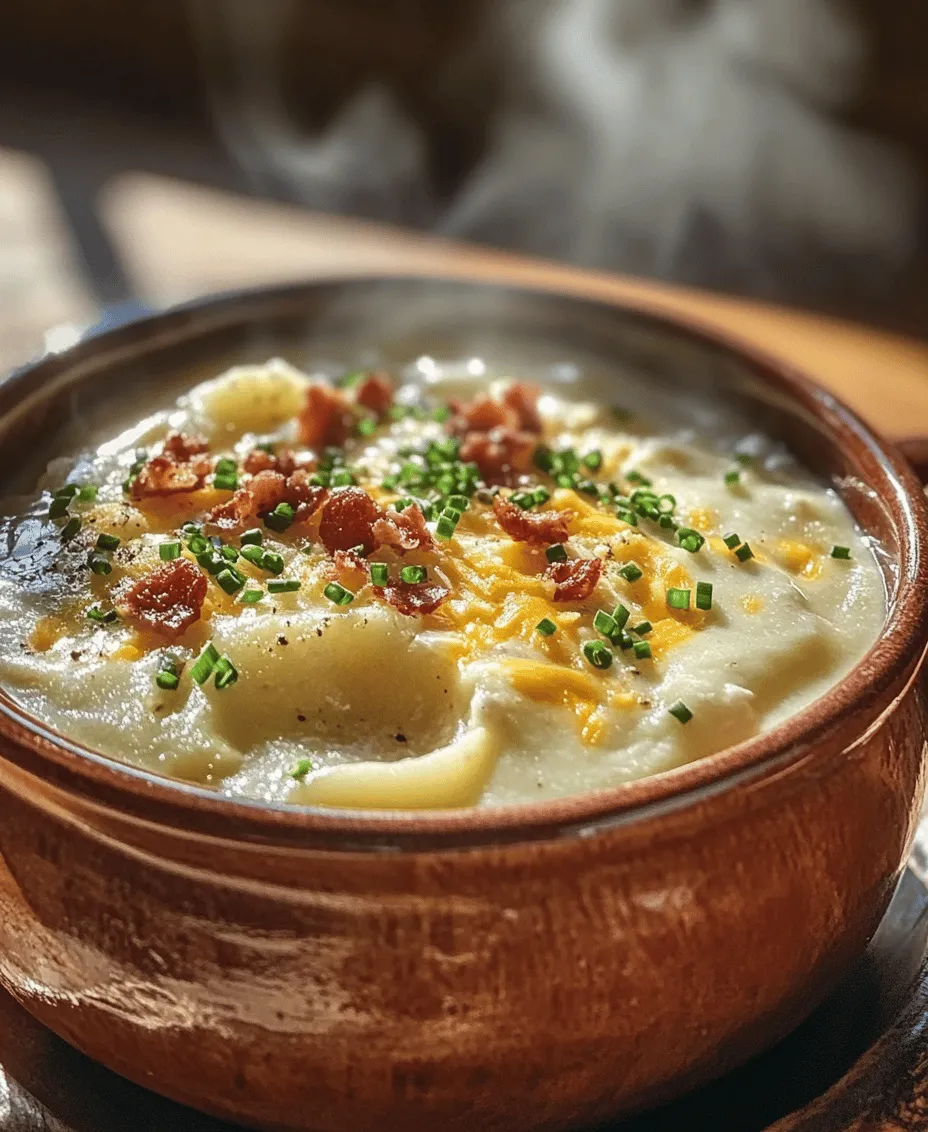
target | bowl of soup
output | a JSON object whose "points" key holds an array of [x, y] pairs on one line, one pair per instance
{"points": [[430, 701]]}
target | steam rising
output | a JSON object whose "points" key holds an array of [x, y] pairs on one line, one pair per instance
{"points": [[688, 139]]}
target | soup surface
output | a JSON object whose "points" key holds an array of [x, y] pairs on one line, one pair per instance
{"points": [[395, 593]]}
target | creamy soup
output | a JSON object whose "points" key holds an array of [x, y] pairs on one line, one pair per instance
{"points": [[389, 593]]}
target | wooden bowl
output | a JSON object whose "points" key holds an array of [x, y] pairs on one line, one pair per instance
{"points": [[525, 967]]}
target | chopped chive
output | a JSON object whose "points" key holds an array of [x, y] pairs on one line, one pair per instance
{"points": [[593, 460], [620, 616], [168, 551], [283, 585], [107, 542], [744, 552], [211, 562], [95, 613], [302, 767], [70, 529], [556, 553], [625, 642], [88, 493], [197, 544], [343, 478], [666, 503], [338, 594], [642, 628], [597, 654], [204, 664], [605, 624], [229, 553], [635, 476], [402, 503], [546, 627], [588, 487], [388, 483], [380, 573], [67, 492], [744, 458], [523, 499], [666, 521], [642, 650], [253, 553], [412, 575], [253, 537], [841, 552], [191, 527], [167, 680], [280, 518], [461, 502], [732, 540], [251, 597], [689, 539], [627, 517], [230, 580], [703, 595], [566, 479], [396, 412], [321, 478], [272, 562], [631, 571], [367, 426], [226, 466], [732, 477], [447, 522], [678, 599], [266, 446], [226, 673], [541, 495], [681, 712], [58, 507], [100, 565], [441, 414], [225, 482]]}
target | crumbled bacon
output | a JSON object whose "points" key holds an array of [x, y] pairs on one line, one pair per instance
{"points": [[326, 418], [404, 530], [182, 449], [284, 461], [348, 520], [480, 415], [260, 494], [348, 562], [575, 580], [375, 393], [304, 497], [502, 455], [164, 476], [412, 598], [522, 399], [531, 526], [168, 600]]}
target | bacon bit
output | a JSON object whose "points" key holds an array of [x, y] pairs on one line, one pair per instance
{"points": [[404, 530], [413, 598], [576, 580], [326, 418], [348, 520], [480, 415], [501, 455], [522, 399], [162, 476], [168, 600], [285, 462], [531, 526], [304, 497], [375, 393], [349, 561], [182, 449], [262, 493]]}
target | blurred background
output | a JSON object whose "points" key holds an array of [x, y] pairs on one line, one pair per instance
{"points": [[776, 149]]}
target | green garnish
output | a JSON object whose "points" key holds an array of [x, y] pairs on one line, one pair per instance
{"points": [[620, 615], [204, 664], [168, 551], [250, 597], [605, 624], [367, 426], [593, 460], [642, 650], [732, 540], [667, 522], [58, 507], [546, 627], [642, 628], [229, 553], [283, 585], [338, 594], [280, 518], [732, 477], [226, 673], [744, 458], [211, 562], [678, 599], [95, 613], [841, 552], [631, 572], [523, 499], [253, 553], [666, 503], [107, 542], [380, 573], [627, 517], [88, 493], [254, 537], [447, 522], [272, 562], [230, 580], [689, 539], [226, 466], [441, 414], [301, 768], [597, 654], [556, 553], [198, 545], [343, 478], [68, 491], [744, 552], [703, 595], [167, 678], [681, 711], [100, 565], [541, 495], [634, 476], [412, 575], [70, 529]]}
